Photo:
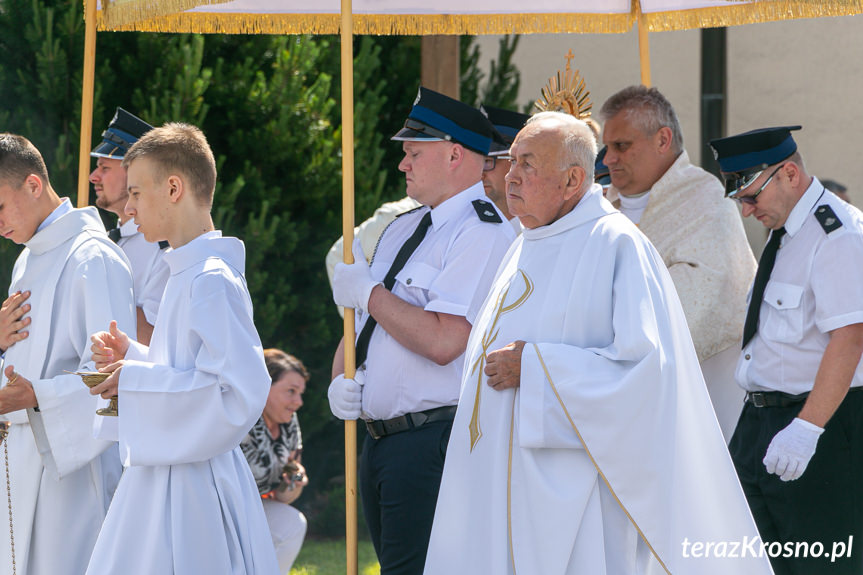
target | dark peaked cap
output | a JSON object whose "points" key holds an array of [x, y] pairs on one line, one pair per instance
{"points": [[123, 131], [435, 117], [749, 153], [506, 126]]}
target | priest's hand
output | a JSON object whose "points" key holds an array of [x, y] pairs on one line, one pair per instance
{"points": [[791, 449], [503, 366], [353, 283], [108, 388], [109, 346], [12, 320], [18, 393], [346, 396]]}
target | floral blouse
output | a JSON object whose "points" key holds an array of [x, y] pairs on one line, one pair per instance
{"points": [[267, 456]]}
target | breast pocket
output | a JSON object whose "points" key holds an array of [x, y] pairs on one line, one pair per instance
{"points": [[414, 282], [783, 317]]}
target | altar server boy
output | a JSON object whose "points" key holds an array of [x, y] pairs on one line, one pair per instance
{"points": [[187, 502]]}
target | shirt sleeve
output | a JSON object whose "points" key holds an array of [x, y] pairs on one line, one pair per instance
{"points": [[469, 267], [837, 281]]}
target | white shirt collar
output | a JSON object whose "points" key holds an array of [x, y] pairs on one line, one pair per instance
{"points": [[803, 207], [453, 207]]}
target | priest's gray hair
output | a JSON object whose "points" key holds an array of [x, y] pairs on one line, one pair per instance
{"points": [[648, 109], [579, 142]]}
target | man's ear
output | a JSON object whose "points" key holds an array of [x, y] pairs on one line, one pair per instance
{"points": [[176, 188], [575, 181], [457, 155], [792, 172], [664, 138], [34, 185]]}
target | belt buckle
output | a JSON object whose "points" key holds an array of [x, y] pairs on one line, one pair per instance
{"points": [[373, 429], [757, 399]]}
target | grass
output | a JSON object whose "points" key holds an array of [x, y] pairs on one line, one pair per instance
{"points": [[327, 557]]}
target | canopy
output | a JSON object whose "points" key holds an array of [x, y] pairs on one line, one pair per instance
{"points": [[420, 17]]}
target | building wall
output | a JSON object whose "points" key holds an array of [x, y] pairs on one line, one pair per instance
{"points": [[807, 72]]}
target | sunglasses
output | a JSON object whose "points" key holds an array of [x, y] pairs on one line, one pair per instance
{"points": [[743, 182]]}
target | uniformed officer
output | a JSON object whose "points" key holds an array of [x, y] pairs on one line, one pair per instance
{"points": [[149, 271], [798, 446], [506, 125], [415, 305]]}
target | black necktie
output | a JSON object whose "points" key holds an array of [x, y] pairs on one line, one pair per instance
{"points": [[402, 257], [115, 234], [765, 266]]}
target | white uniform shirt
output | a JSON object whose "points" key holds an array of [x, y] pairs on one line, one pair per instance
{"points": [[450, 272], [816, 286], [149, 270]]}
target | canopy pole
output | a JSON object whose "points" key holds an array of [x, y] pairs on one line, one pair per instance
{"points": [[87, 102], [347, 56], [643, 45]]}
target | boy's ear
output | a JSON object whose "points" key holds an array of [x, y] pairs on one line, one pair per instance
{"points": [[175, 188]]}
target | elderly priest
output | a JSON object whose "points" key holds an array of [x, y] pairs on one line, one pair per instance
{"points": [[584, 440]]}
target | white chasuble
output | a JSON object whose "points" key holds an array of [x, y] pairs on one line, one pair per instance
{"points": [[607, 459], [62, 478], [187, 502]]}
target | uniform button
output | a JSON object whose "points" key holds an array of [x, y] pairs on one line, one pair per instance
{"points": [[409, 282], [779, 302], [747, 357]]}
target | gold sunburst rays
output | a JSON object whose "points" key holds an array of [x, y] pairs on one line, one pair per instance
{"points": [[566, 93]]}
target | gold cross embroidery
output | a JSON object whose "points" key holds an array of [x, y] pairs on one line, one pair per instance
{"points": [[488, 339]]}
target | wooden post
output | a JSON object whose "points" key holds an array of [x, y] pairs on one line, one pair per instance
{"points": [[440, 65], [347, 57], [87, 102], [643, 44]]}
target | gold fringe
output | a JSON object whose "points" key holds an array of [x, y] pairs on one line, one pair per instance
{"points": [[373, 24], [164, 16], [118, 13], [739, 14]]}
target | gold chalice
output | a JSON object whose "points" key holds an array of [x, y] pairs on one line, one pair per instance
{"points": [[94, 378]]}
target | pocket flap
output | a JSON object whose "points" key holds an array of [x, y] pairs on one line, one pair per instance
{"points": [[417, 275], [783, 296]]}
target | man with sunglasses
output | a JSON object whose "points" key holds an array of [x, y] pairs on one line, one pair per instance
{"points": [[798, 447]]}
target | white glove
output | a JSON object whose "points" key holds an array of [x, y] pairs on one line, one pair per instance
{"points": [[346, 396], [791, 449], [353, 283]]}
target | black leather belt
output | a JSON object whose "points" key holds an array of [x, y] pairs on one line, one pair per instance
{"points": [[774, 398], [780, 399], [382, 427]]}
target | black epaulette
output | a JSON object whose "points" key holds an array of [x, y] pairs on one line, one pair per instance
{"points": [[163, 245], [486, 212], [827, 218], [409, 212]]}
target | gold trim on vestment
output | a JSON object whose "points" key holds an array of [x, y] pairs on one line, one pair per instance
{"points": [[487, 339], [598, 470]]}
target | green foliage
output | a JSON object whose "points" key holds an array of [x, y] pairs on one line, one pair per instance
{"points": [[269, 106], [501, 88]]}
